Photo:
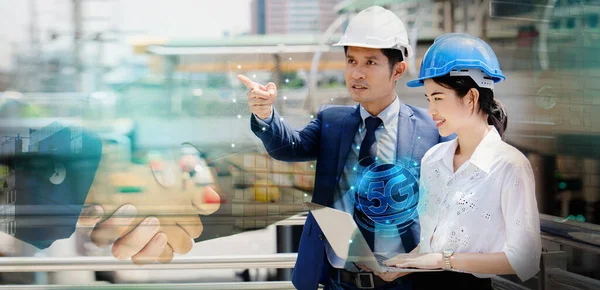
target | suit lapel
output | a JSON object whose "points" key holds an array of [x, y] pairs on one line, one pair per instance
{"points": [[349, 128], [406, 132]]}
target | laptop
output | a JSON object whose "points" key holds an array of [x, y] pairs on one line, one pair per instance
{"points": [[347, 241]]}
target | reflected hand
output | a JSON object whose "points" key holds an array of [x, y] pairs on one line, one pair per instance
{"points": [[152, 225], [260, 98], [90, 215]]}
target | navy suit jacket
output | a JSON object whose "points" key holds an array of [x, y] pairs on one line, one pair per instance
{"points": [[328, 139]]}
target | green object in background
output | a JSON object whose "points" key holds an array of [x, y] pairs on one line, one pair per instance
{"points": [[562, 185], [35, 111], [572, 184], [578, 218], [130, 189]]}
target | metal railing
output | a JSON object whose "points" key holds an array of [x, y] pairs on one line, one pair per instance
{"points": [[499, 283], [195, 286], [553, 274], [38, 264], [297, 220], [560, 231], [561, 279]]}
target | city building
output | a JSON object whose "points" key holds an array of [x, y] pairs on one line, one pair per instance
{"points": [[292, 16]]}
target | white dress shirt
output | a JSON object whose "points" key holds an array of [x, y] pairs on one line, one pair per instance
{"points": [[488, 205]]}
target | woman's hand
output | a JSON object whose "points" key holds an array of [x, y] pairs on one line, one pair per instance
{"points": [[417, 260]]}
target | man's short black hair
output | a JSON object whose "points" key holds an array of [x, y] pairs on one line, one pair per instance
{"points": [[393, 55]]}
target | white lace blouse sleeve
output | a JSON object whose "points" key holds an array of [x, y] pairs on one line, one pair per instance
{"points": [[521, 218]]}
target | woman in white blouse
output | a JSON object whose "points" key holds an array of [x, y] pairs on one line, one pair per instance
{"points": [[477, 203]]}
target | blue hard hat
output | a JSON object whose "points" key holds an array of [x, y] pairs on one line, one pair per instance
{"points": [[454, 52]]}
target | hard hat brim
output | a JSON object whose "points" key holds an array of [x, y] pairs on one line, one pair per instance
{"points": [[406, 53], [415, 83], [420, 81]]}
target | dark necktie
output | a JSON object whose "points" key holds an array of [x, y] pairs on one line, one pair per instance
{"points": [[368, 147], [366, 157]]}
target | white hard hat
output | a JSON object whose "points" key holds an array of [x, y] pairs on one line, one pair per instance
{"points": [[377, 27]]}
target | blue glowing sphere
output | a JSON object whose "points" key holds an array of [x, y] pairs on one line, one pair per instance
{"points": [[387, 194]]}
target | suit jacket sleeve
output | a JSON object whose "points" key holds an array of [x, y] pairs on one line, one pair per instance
{"points": [[286, 144], [46, 212]]}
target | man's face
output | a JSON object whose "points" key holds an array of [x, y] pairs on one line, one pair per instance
{"points": [[367, 74]]}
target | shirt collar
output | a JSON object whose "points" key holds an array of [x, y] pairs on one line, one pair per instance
{"points": [[482, 157], [388, 115], [485, 152]]}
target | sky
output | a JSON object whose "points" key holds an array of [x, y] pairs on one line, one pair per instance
{"points": [[157, 18]]}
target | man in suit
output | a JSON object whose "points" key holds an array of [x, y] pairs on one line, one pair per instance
{"points": [[380, 128]]}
